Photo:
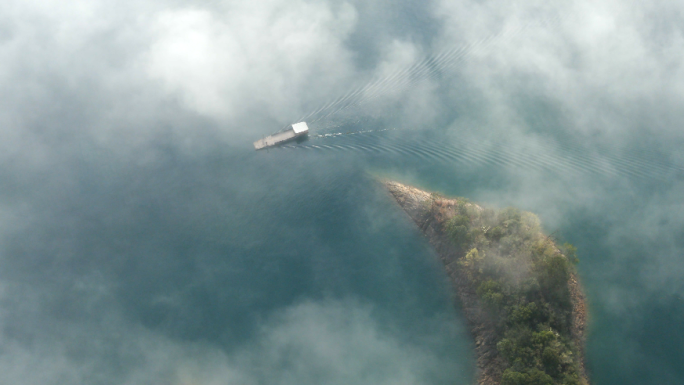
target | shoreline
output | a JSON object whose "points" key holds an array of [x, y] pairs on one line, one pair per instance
{"points": [[430, 212]]}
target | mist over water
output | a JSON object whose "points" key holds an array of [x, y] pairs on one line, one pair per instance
{"points": [[144, 241], [633, 320], [231, 258]]}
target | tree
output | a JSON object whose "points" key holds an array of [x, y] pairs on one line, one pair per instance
{"points": [[570, 251], [458, 230], [473, 263], [551, 360], [531, 377], [554, 273], [490, 293]]}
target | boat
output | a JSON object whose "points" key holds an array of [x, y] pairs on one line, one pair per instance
{"points": [[294, 131]]}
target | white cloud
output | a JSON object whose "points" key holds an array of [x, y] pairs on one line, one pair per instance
{"points": [[121, 75], [604, 62], [273, 57], [116, 73], [317, 343]]}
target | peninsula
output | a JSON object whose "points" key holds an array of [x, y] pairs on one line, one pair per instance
{"points": [[518, 290]]}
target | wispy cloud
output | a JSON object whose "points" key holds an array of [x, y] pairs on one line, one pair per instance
{"points": [[569, 102]]}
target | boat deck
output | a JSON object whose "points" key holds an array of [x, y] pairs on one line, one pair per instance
{"points": [[272, 140]]}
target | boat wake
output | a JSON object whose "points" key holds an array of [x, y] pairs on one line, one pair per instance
{"points": [[559, 158]]}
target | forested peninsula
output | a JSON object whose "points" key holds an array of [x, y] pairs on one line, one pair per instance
{"points": [[518, 290]]}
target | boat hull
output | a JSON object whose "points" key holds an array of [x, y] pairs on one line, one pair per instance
{"points": [[282, 137]]}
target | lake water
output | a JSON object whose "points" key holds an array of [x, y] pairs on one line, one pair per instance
{"points": [[144, 241], [292, 265]]}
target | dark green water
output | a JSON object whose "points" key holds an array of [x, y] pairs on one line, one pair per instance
{"points": [[226, 254], [143, 241], [622, 211], [293, 265]]}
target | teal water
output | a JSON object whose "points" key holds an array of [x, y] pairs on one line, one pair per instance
{"points": [[294, 266], [634, 330], [220, 249], [143, 241]]}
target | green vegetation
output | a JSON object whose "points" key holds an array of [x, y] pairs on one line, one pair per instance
{"points": [[521, 278]]}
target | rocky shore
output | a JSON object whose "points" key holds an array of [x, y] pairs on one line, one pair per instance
{"points": [[431, 212]]}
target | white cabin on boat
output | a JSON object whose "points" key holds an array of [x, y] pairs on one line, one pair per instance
{"points": [[296, 130]]}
